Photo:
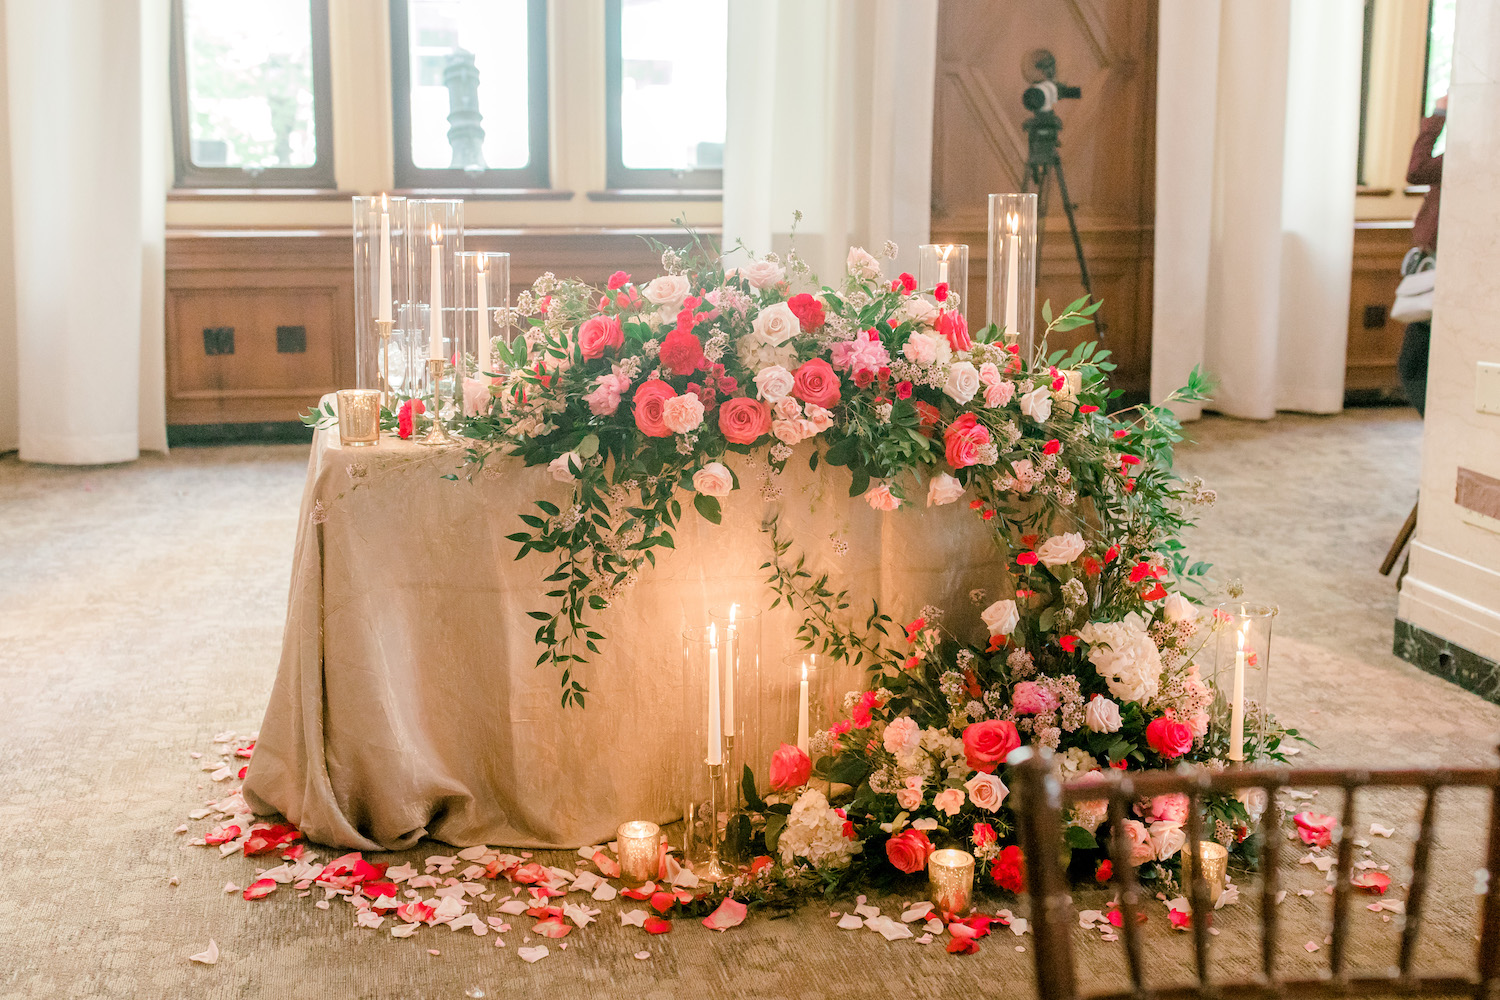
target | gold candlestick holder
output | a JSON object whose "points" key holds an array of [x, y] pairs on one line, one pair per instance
{"points": [[436, 434], [713, 870], [383, 328]]}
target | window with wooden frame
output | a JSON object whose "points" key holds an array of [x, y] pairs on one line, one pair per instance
{"points": [[469, 95], [665, 72], [251, 95]]}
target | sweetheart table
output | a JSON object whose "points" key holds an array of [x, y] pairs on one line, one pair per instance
{"points": [[407, 703]]}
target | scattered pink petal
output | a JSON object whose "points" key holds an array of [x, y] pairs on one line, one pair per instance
{"points": [[552, 927], [261, 888], [208, 956], [661, 902], [731, 913], [1315, 828], [1372, 881], [1180, 919], [606, 865], [656, 925], [533, 954], [264, 839], [433, 951], [1312, 946], [962, 946], [643, 955], [222, 835]]}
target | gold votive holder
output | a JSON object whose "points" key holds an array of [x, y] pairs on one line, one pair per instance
{"points": [[359, 417], [1215, 864], [638, 844], [950, 880]]}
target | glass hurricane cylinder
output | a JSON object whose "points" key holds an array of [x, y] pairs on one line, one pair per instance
{"points": [[742, 695], [381, 278], [435, 235], [1011, 275], [943, 273], [482, 318], [1241, 679], [802, 683], [705, 775]]}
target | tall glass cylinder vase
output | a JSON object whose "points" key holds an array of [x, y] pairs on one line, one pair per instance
{"points": [[806, 706], [381, 276], [1012, 270], [435, 235], [943, 273], [483, 318], [742, 700], [1241, 680], [705, 774]]}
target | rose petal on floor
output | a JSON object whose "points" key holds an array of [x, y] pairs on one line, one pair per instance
{"points": [[208, 956]]}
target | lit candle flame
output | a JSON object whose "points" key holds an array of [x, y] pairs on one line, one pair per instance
{"points": [[944, 251], [437, 234], [1239, 635], [804, 670], [713, 635], [1013, 221]]}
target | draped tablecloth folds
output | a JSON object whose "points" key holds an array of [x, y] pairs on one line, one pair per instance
{"points": [[407, 703]]}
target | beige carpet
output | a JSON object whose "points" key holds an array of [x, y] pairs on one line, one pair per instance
{"points": [[142, 615]]}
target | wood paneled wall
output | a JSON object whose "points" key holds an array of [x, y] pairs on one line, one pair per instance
{"points": [[260, 324], [1107, 147], [1374, 338]]}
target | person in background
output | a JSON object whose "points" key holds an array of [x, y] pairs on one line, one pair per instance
{"points": [[1424, 168]]}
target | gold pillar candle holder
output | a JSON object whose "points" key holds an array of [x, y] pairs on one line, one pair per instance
{"points": [[436, 434], [383, 330], [359, 417], [638, 845], [950, 880], [1215, 866]]}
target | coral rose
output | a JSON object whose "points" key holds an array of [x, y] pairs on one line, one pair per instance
{"points": [[1009, 869], [599, 334], [988, 743], [808, 310], [790, 767], [815, 381], [952, 325], [963, 439], [743, 420], [1169, 737], [650, 399], [909, 850]]}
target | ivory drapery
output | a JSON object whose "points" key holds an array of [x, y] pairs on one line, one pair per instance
{"points": [[830, 114], [1256, 145], [82, 376]]}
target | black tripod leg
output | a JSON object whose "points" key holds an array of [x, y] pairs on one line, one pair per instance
{"points": [[1040, 176], [1083, 267]]}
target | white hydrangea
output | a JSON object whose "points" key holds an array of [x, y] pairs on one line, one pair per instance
{"points": [[1076, 761], [815, 832], [1125, 657]]}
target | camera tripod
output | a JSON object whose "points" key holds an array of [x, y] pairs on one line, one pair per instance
{"points": [[1042, 162]]}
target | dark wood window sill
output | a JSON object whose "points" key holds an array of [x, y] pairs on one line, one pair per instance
{"points": [[1373, 192], [488, 194], [657, 194], [257, 194]]}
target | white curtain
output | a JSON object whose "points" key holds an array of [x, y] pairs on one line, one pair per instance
{"points": [[830, 114], [1256, 146], [86, 98]]}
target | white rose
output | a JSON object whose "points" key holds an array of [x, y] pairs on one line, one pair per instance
{"points": [[919, 309], [862, 265], [682, 413], [773, 383], [1178, 608], [713, 480], [903, 735], [943, 489], [1254, 800], [667, 291], [1166, 839], [1060, 550], [776, 324], [763, 273], [1124, 655], [986, 791], [560, 470], [1037, 404], [1001, 617], [1102, 715], [963, 382]]}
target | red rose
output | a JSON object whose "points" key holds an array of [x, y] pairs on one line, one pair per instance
{"points": [[1315, 829], [649, 400], [1169, 737], [953, 326], [909, 850], [743, 420], [927, 416], [406, 415], [940, 292], [903, 390], [809, 311], [908, 283], [1009, 869], [790, 767], [760, 864], [598, 334], [988, 743], [1105, 871], [816, 382], [682, 353], [963, 439], [984, 834], [618, 280]]}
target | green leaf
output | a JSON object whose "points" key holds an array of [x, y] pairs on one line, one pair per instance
{"points": [[1079, 838], [709, 507], [588, 447], [775, 823], [752, 799]]}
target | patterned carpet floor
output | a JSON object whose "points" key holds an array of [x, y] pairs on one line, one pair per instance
{"points": [[142, 615]]}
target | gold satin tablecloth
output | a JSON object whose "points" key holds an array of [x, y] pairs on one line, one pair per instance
{"points": [[407, 703]]}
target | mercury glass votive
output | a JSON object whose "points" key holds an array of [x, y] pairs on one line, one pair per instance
{"points": [[950, 880], [1215, 867], [359, 417], [638, 843]]}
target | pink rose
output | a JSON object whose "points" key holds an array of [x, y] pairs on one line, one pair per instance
{"points": [[1169, 737], [650, 399], [986, 791], [599, 334], [605, 399], [880, 497], [790, 768], [909, 797], [1165, 809], [743, 420], [998, 390], [1030, 698], [815, 381], [963, 439], [1315, 829], [820, 418], [949, 801], [714, 480], [988, 743], [909, 850], [1139, 840]]}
